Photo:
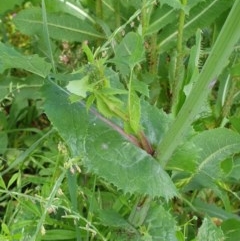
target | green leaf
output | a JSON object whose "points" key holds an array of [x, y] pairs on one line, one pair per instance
{"points": [[113, 91], [13, 179], [231, 229], [184, 158], [234, 174], [103, 149], [164, 15], [10, 4], [209, 232], [111, 218], [2, 183], [5, 228], [155, 122], [200, 16], [103, 107], [173, 3], [47, 37], [235, 70], [10, 58], [161, 17], [3, 141], [134, 110], [134, 106], [222, 49], [212, 148], [194, 62], [60, 26], [140, 87], [59, 234], [71, 7], [216, 145], [212, 210], [176, 4], [88, 53], [160, 224], [109, 105], [79, 87], [129, 52], [235, 122]]}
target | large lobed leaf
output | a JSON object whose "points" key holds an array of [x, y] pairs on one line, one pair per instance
{"points": [[10, 58], [103, 150], [203, 155]]}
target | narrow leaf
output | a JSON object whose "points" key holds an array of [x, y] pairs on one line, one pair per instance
{"points": [[213, 210], [71, 7], [59, 234], [161, 17], [46, 35]]}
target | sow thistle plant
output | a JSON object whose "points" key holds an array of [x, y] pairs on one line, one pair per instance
{"points": [[129, 116], [108, 99]]}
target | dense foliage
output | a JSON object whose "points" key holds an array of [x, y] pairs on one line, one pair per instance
{"points": [[120, 120]]}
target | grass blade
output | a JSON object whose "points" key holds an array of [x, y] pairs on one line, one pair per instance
{"points": [[215, 63], [46, 36]]}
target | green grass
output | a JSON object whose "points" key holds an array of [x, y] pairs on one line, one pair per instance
{"points": [[119, 121]]}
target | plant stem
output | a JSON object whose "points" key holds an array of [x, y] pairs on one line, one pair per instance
{"points": [[230, 97], [178, 77], [144, 18], [115, 127], [145, 143], [216, 61], [99, 9], [139, 212], [146, 10], [153, 55]]}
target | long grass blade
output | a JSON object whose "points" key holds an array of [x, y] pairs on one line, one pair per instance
{"points": [[215, 63]]}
